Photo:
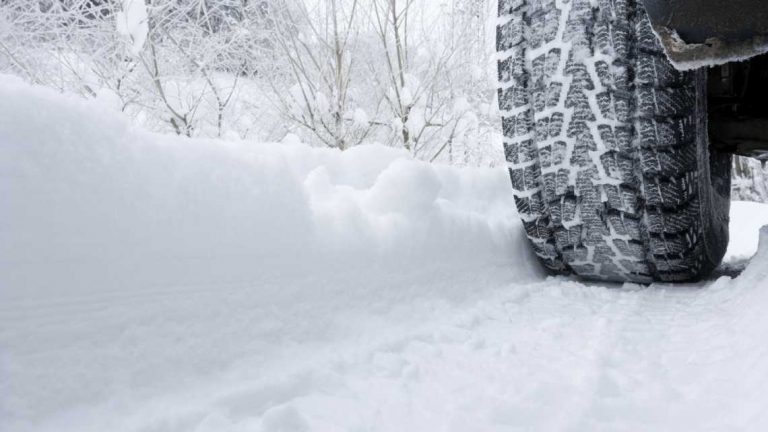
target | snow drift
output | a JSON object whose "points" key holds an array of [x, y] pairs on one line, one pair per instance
{"points": [[132, 232], [150, 283], [103, 204]]}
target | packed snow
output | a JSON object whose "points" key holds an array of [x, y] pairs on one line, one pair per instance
{"points": [[154, 283]]}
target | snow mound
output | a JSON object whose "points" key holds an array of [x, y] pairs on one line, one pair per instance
{"points": [[121, 236], [746, 220], [98, 202]]}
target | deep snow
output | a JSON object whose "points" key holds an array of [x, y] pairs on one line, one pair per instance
{"points": [[150, 283]]}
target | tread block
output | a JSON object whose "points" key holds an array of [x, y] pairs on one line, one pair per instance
{"points": [[629, 249], [556, 125], [670, 192], [625, 226], [549, 181], [604, 74], [508, 126], [554, 91], [683, 220], [552, 63], [641, 269], [542, 129], [530, 205], [605, 255], [513, 97], [510, 34], [551, 21], [559, 152], [656, 102], [537, 70], [621, 41], [668, 162], [670, 245], [513, 68], [508, 6], [621, 198], [655, 133], [539, 229], [605, 104], [524, 123], [646, 39], [619, 167], [657, 72], [576, 254]]}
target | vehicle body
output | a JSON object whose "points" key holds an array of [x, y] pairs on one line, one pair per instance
{"points": [[620, 118], [705, 32], [731, 38]]}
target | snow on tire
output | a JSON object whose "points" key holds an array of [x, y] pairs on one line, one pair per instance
{"points": [[607, 145]]}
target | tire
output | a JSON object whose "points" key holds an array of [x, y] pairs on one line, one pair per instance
{"points": [[607, 144]]}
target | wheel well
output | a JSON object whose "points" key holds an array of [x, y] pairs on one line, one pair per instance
{"points": [[737, 97]]}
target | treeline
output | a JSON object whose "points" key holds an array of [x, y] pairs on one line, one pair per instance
{"points": [[407, 73]]}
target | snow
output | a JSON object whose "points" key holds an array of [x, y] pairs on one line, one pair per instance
{"points": [[153, 283], [132, 23], [86, 187], [746, 220], [461, 106], [360, 117], [406, 96]]}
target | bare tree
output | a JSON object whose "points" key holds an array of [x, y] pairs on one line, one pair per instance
{"points": [[427, 72], [338, 73], [317, 44]]}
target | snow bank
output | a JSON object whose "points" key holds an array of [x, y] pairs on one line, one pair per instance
{"points": [[746, 220], [133, 264], [99, 203]]}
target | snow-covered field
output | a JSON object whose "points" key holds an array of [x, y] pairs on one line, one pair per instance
{"points": [[149, 283]]}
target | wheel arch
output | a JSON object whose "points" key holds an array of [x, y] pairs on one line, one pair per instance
{"points": [[705, 32]]}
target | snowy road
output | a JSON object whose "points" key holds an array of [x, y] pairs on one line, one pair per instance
{"points": [[410, 352], [195, 286]]}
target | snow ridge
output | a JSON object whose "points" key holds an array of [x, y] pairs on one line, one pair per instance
{"points": [[84, 187]]}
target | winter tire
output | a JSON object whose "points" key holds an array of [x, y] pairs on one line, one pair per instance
{"points": [[607, 144]]}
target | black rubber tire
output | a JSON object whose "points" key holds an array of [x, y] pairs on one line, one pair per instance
{"points": [[607, 144]]}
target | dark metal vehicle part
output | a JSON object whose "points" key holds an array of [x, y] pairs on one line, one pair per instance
{"points": [[704, 32], [731, 37], [737, 98]]}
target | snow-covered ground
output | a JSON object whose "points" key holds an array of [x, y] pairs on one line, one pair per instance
{"points": [[149, 283]]}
